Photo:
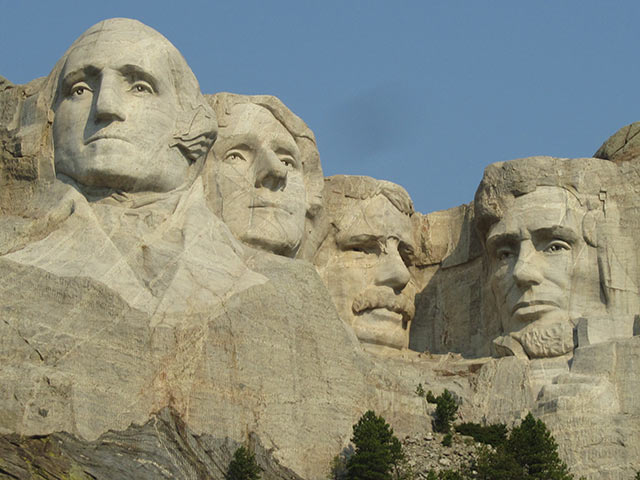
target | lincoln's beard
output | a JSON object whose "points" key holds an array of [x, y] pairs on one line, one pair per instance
{"points": [[551, 340]]}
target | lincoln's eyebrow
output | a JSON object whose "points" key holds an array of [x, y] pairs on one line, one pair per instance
{"points": [[557, 231], [138, 73], [494, 241]]}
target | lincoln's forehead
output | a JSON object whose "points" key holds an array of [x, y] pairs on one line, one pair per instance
{"points": [[544, 208]]}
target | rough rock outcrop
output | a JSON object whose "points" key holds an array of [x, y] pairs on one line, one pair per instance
{"points": [[143, 334]]}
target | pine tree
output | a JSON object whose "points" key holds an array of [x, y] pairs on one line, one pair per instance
{"points": [[378, 451], [530, 453], [243, 466], [535, 449], [446, 409]]}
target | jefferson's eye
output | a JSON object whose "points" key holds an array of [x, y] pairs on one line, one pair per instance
{"points": [[557, 246], [288, 161], [234, 156], [142, 87]]}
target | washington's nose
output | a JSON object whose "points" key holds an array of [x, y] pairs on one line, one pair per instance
{"points": [[109, 102], [271, 173], [525, 271], [391, 270]]}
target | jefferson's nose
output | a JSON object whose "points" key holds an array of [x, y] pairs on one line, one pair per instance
{"points": [[271, 173], [109, 101], [526, 272], [391, 270]]}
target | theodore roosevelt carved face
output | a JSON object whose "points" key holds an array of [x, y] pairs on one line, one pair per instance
{"points": [[117, 108], [364, 263]]}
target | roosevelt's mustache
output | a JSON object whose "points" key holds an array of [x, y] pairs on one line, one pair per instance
{"points": [[385, 297]]}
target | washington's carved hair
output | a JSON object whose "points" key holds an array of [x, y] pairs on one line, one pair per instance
{"points": [[196, 127]]}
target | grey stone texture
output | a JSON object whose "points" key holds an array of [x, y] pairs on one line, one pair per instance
{"points": [[144, 335]]}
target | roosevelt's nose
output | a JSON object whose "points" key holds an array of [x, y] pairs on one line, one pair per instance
{"points": [[391, 270], [271, 173], [109, 101], [526, 271]]}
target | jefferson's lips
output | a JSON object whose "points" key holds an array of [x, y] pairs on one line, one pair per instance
{"points": [[533, 303], [267, 204]]}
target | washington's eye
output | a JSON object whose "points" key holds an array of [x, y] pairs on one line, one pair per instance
{"points": [[79, 89], [557, 246], [142, 87]]}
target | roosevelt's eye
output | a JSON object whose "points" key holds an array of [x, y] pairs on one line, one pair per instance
{"points": [[79, 89], [557, 246], [369, 248], [407, 253], [142, 87]]}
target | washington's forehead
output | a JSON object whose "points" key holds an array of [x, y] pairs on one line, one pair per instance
{"points": [[118, 55], [121, 29]]}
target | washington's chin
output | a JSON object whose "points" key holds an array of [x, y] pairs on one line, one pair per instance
{"points": [[278, 233], [125, 171], [380, 326]]}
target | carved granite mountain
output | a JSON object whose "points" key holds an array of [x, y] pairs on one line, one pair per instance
{"points": [[158, 308]]}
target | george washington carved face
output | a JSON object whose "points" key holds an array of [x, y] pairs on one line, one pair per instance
{"points": [[116, 110]]}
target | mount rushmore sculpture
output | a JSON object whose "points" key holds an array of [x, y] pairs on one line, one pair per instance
{"points": [[176, 271]]}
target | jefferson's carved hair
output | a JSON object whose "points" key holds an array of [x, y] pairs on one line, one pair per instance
{"points": [[223, 103]]}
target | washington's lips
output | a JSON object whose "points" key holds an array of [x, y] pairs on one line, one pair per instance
{"points": [[533, 303], [101, 136]]}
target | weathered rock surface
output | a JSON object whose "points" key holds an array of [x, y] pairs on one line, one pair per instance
{"points": [[140, 338], [164, 447]]}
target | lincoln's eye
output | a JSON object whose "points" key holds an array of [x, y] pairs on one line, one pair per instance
{"points": [[557, 246]]}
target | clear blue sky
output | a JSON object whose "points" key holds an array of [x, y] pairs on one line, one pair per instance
{"points": [[422, 93]]}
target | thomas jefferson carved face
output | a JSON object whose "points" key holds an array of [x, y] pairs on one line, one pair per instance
{"points": [[260, 179], [367, 275], [116, 113], [540, 267]]}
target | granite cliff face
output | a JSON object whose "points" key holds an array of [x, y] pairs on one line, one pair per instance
{"points": [[156, 314]]}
